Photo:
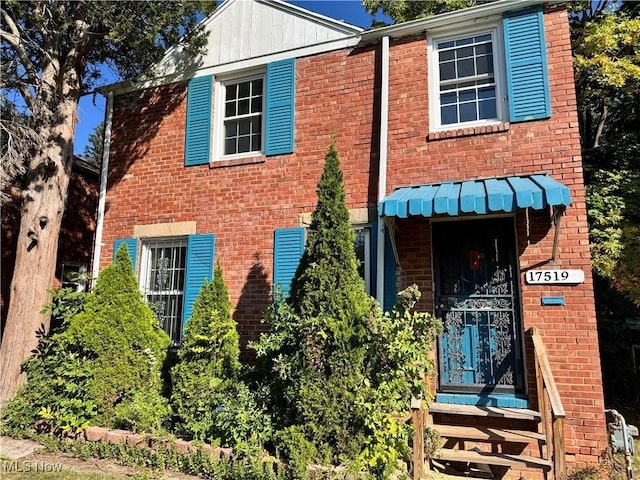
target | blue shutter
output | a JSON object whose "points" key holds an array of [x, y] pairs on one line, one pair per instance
{"points": [[287, 251], [281, 81], [200, 250], [526, 65], [389, 268], [198, 140], [132, 249]]}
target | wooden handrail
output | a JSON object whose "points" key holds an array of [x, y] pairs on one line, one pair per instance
{"points": [[550, 405]]}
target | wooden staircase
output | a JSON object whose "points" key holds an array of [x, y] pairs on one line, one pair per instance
{"points": [[486, 441]]}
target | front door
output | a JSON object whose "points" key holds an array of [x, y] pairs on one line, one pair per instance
{"points": [[477, 299]]}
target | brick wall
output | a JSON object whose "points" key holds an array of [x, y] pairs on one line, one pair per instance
{"points": [[553, 146], [336, 95], [242, 204]]}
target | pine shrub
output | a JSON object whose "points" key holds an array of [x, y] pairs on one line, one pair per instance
{"points": [[209, 399], [341, 369], [104, 367]]}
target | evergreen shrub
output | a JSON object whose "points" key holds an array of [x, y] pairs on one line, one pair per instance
{"points": [[209, 398], [341, 369], [103, 367]]}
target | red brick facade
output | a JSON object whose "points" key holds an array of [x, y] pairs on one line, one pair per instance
{"points": [[337, 94]]}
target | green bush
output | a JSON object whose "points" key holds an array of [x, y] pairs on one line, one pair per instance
{"points": [[93, 370], [341, 369], [209, 399]]}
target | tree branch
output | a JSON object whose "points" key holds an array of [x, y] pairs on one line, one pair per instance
{"points": [[14, 40], [601, 121]]}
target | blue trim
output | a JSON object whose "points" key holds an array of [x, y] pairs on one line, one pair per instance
{"points": [[476, 196], [280, 102], [198, 132], [287, 252], [132, 249], [552, 301], [526, 59], [200, 256], [484, 399]]}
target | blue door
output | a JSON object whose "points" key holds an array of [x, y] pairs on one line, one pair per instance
{"points": [[477, 300]]}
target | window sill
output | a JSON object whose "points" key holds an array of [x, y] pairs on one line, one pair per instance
{"points": [[232, 162], [469, 131]]}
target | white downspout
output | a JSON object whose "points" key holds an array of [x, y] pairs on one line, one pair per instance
{"points": [[382, 167], [104, 173]]}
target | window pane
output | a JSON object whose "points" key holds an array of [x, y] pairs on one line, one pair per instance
{"points": [[447, 71], [244, 126], [244, 89], [465, 52], [230, 92], [487, 108], [447, 55], [244, 144], [243, 107], [484, 49], [256, 125], [442, 45], [230, 146], [486, 93], [466, 68], [256, 105], [468, 96], [483, 38], [448, 98], [484, 64], [449, 115], [468, 112], [464, 41], [230, 109], [230, 128], [256, 142], [257, 87]]}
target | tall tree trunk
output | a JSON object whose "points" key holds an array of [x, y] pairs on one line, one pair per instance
{"points": [[37, 245]]}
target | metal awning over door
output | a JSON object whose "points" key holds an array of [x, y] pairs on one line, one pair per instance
{"points": [[493, 195]]}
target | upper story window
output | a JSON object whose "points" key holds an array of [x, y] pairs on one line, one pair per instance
{"points": [[466, 80], [74, 276], [243, 119], [162, 281]]}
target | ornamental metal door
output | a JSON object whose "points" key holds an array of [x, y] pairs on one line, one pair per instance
{"points": [[477, 299]]}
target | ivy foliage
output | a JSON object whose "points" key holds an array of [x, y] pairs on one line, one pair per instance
{"points": [[103, 366], [209, 398], [341, 370]]}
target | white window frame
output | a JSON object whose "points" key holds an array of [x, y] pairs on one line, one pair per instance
{"points": [[365, 231], [219, 113], [174, 330], [499, 72]]}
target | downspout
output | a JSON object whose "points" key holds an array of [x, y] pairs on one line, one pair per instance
{"points": [[104, 173], [382, 166]]}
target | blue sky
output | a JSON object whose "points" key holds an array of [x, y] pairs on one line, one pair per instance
{"points": [[91, 109]]}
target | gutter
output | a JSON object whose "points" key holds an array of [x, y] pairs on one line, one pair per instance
{"points": [[102, 196], [382, 167]]}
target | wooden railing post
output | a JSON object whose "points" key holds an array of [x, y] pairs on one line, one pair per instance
{"points": [[417, 418], [550, 405]]}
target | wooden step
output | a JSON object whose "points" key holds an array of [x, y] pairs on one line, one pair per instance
{"points": [[483, 411], [500, 459], [488, 434]]}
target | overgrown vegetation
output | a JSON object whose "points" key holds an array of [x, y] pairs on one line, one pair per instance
{"points": [[209, 398], [341, 369], [338, 371], [102, 366]]}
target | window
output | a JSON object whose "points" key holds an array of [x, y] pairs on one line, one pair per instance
{"points": [[162, 282], [74, 276], [242, 116], [363, 255], [466, 78]]}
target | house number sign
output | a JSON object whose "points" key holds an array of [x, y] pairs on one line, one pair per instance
{"points": [[544, 277]]}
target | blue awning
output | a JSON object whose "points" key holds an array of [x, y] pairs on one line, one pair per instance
{"points": [[492, 195]]}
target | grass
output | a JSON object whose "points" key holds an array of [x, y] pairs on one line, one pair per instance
{"points": [[63, 475]]}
